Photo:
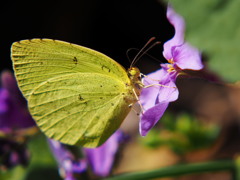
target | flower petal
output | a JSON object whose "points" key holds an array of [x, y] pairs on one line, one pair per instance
{"points": [[101, 158], [68, 162], [170, 92], [179, 25], [16, 115], [151, 117], [149, 95], [4, 97], [155, 99], [9, 82], [187, 57]]}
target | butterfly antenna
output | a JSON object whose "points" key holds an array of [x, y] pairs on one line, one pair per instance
{"points": [[154, 58], [127, 54], [144, 50], [141, 50], [147, 54]]}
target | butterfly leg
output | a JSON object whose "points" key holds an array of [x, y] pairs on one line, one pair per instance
{"points": [[159, 85], [153, 84], [138, 100], [131, 106]]}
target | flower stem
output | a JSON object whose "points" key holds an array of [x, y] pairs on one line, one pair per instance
{"points": [[177, 170]]}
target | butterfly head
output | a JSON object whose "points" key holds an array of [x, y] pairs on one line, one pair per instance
{"points": [[135, 76], [134, 73]]}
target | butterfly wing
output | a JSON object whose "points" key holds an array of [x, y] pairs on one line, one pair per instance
{"points": [[75, 94], [38, 60]]}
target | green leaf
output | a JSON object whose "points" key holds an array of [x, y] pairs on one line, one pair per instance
{"points": [[42, 163], [16, 173]]}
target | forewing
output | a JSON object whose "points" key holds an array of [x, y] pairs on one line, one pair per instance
{"points": [[80, 108], [37, 60]]}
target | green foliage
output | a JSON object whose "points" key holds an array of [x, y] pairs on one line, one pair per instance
{"points": [[42, 164], [183, 134], [16, 173], [214, 27]]}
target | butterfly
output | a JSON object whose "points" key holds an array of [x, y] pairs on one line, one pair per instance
{"points": [[76, 95]]}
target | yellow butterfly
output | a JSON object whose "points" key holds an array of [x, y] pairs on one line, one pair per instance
{"points": [[76, 95]]}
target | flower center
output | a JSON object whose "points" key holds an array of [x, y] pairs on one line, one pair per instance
{"points": [[170, 66]]}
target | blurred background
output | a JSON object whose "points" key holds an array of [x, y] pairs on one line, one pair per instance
{"points": [[202, 125]]}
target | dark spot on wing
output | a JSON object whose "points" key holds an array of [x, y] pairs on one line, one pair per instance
{"points": [[75, 60], [112, 104], [80, 97], [105, 68]]}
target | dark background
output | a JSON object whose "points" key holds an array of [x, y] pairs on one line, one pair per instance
{"points": [[108, 26]]}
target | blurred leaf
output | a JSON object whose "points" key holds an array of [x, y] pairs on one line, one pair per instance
{"points": [[182, 134], [42, 164], [237, 162], [214, 27], [168, 120], [16, 173], [152, 139], [40, 151]]}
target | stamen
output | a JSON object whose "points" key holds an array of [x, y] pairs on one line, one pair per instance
{"points": [[170, 68], [170, 61]]}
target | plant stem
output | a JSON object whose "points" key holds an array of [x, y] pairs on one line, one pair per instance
{"points": [[177, 170]]}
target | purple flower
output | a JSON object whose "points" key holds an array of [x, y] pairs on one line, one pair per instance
{"points": [[155, 99], [177, 52], [16, 123], [180, 56], [14, 114], [100, 159], [69, 161]]}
